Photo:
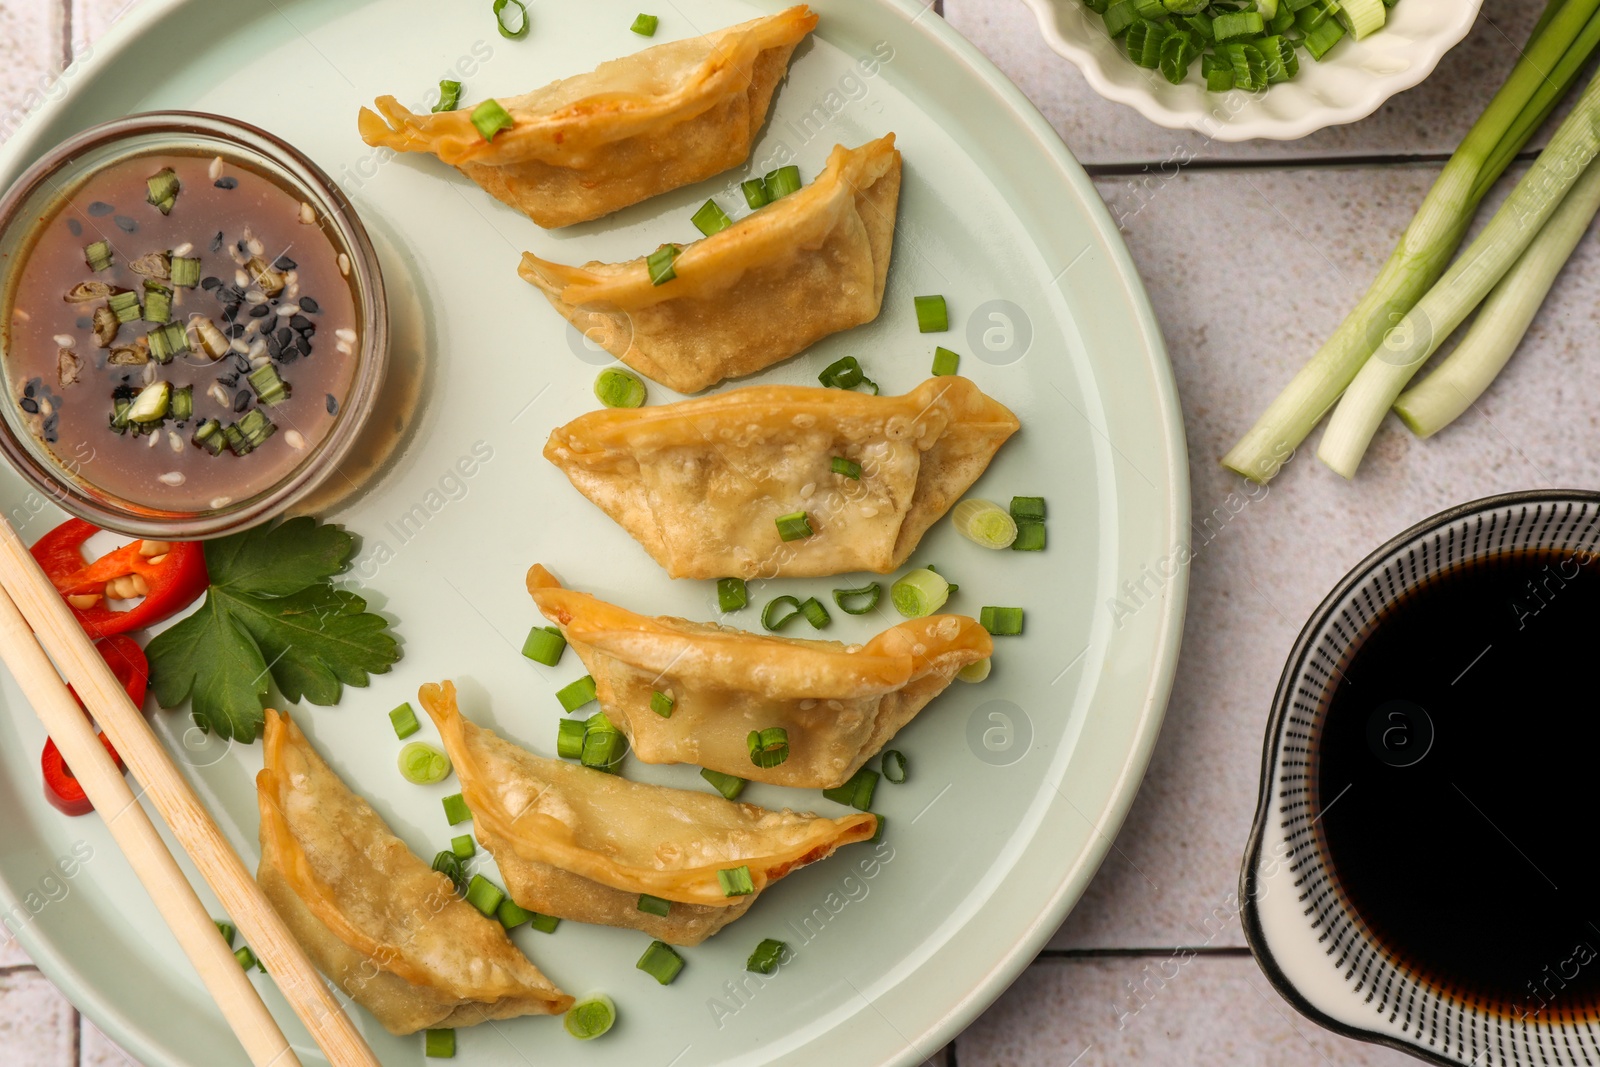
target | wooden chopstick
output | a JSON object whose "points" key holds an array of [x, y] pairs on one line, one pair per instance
{"points": [[136, 836], [52, 624]]}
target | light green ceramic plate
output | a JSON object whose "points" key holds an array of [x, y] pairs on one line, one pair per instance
{"points": [[1017, 785]]}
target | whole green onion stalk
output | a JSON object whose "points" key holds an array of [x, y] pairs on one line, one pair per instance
{"points": [[1561, 42], [1468, 281], [1457, 383]]}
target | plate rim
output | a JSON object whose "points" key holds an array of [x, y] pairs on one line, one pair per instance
{"points": [[1155, 684]]}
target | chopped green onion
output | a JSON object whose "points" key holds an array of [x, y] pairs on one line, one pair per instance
{"points": [[125, 304], [185, 271], [1001, 622], [815, 613], [732, 594], [736, 882], [932, 314], [755, 193], [769, 615], [1030, 537], [404, 721], [545, 924], [208, 435], [769, 747], [166, 341], [463, 847], [484, 895], [726, 784], [246, 958], [423, 764], [439, 1044], [659, 264], [235, 440], [877, 832], [594, 1015], [857, 791], [711, 219], [98, 255], [983, 522], [490, 118], [545, 644], [511, 914], [660, 962], [781, 182], [151, 403], [1027, 508], [253, 429], [976, 671], [227, 931], [448, 864], [645, 25], [845, 374], [654, 905], [847, 467], [157, 302], [511, 27], [1230, 24], [945, 361], [602, 743], [456, 810], [618, 389], [766, 957], [183, 403], [919, 592], [662, 704], [269, 387], [1120, 16], [894, 766], [860, 600], [794, 526], [577, 694], [569, 739], [1361, 17], [163, 190], [1219, 79], [449, 96], [1320, 39]]}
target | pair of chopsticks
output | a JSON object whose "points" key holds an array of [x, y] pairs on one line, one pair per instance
{"points": [[33, 614]]}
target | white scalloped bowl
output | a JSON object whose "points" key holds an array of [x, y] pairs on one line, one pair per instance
{"points": [[1352, 83]]}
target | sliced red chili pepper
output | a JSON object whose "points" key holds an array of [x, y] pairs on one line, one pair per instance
{"points": [[128, 664], [173, 583]]}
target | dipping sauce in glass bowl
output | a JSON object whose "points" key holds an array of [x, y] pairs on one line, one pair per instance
{"points": [[193, 325]]}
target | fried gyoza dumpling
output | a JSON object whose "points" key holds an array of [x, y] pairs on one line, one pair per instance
{"points": [[589, 145], [811, 264], [701, 483], [388, 929], [583, 844], [838, 703]]}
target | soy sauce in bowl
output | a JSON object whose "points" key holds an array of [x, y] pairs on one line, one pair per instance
{"points": [[1456, 773]]}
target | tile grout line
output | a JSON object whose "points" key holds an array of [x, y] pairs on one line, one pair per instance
{"points": [[1217, 952], [1135, 168]]}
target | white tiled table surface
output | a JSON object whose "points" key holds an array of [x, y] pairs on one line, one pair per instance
{"points": [[1251, 254]]}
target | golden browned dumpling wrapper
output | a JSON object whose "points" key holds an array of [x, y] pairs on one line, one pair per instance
{"points": [[634, 127], [388, 929], [805, 266], [583, 844], [701, 483], [839, 703]]}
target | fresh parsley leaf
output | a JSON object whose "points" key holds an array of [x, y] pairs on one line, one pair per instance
{"points": [[272, 610]]}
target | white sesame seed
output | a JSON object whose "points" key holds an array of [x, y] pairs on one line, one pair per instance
{"points": [[238, 257], [149, 373], [239, 345], [287, 310], [221, 501], [257, 362], [241, 279], [345, 334], [65, 340], [295, 440], [153, 440], [183, 249], [255, 296], [343, 349], [216, 168], [21, 315], [252, 327], [807, 489], [258, 347], [255, 246], [219, 394], [344, 264], [46, 409], [173, 478], [307, 215], [174, 440]]}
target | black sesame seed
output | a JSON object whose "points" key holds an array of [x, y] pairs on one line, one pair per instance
{"points": [[75, 227], [236, 330], [84, 322], [303, 344], [31, 387], [210, 283], [301, 324], [284, 263], [285, 337], [241, 246], [286, 355], [216, 242], [50, 424], [126, 224], [100, 209], [333, 405], [241, 400], [260, 311], [309, 305], [30, 405], [226, 183], [240, 363], [274, 349]]}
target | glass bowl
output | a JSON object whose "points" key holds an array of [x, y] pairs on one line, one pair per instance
{"points": [[34, 200]]}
